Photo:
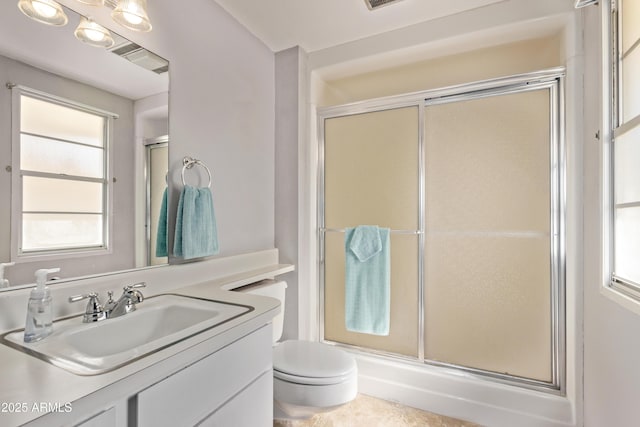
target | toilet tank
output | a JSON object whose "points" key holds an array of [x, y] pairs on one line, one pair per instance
{"points": [[273, 289]]}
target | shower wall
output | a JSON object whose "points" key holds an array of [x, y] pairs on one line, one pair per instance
{"points": [[445, 70]]}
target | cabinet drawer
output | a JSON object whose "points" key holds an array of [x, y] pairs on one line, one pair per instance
{"points": [[190, 395], [258, 397], [103, 419]]}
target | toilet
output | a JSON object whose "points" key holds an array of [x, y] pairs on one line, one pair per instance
{"points": [[308, 377]]}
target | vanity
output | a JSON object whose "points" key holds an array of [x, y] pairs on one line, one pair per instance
{"points": [[208, 378]]}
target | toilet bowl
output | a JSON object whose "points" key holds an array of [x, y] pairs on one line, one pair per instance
{"points": [[308, 377]]}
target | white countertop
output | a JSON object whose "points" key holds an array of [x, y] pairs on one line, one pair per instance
{"points": [[28, 380]]}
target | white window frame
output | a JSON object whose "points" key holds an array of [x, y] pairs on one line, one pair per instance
{"points": [[16, 180], [621, 290]]}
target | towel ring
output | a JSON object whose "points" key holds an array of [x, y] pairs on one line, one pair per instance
{"points": [[188, 163]]}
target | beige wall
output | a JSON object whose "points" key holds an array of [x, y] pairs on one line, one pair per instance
{"points": [[497, 61]]}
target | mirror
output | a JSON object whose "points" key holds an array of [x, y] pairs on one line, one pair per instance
{"points": [[127, 83]]}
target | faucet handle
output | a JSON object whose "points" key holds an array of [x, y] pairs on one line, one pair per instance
{"points": [[94, 311], [110, 304], [76, 298], [135, 285]]}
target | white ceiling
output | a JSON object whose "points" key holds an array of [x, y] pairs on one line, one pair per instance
{"points": [[319, 24]]}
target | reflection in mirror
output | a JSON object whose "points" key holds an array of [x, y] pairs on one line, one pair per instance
{"points": [[83, 151]]}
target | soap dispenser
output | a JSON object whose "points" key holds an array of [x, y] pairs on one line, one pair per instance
{"points": [[4, 283], [39, 322]]}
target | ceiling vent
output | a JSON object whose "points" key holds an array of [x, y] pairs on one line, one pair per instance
{"points": [[139, 55], [583, 3], [376, 4]]}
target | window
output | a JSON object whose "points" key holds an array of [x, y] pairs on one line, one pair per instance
{"points": [[59, 183], [625, 155]]}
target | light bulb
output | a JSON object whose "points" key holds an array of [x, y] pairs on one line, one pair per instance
{"points": [[132, 18], [94, 35], [132, 14], [44, 9]]}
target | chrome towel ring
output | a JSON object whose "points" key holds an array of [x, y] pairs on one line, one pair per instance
{"points": [[188, 163]]}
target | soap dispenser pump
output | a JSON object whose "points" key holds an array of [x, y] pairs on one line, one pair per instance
{"points": [[4, 283], [39, 322]]}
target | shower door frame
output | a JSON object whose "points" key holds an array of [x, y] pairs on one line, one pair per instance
{"points": [[553, 81], [150, 145]]}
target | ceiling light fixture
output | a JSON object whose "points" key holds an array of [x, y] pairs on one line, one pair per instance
{"points": [[374, 4], [45, 11], [93, 34], [132, 14], [92, 2], [584, 3]]}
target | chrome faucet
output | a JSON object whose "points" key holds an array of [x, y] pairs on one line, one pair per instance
{"points": [[127, 301], [95, 312]]}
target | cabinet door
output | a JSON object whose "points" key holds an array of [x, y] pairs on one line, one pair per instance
{"points": [[103, 419], [258, 396], [190, 395]]}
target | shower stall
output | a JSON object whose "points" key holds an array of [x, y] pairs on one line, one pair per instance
{"points": [[470, 180]]}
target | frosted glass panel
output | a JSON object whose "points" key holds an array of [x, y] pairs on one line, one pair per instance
{"points": [[403, 333], [627, 170], [631, 85], [630, 23], [487, 260], [51, 156], [371, 169], [627, 241], [487, 304], [487, 164], [53, 231], [57, 121], [61, 195]]}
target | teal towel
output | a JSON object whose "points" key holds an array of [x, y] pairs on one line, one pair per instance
{"points": [[196, 231], [163, 228], [367, 280]]}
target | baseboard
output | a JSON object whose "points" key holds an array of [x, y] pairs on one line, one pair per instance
{"points": [[461, 396]]}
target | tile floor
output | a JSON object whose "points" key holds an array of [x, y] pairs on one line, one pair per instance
{"points": [[367, 411]]}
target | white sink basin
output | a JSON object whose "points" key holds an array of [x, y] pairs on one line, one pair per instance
{"points": [[96, 348]]}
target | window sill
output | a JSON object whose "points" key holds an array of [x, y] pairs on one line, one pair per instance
{"points": [[25, 258], [626, 298]]}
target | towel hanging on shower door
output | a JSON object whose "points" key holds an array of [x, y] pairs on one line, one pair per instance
{"points": [[367, 280]]}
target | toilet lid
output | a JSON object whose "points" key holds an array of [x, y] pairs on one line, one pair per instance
{"points": [[308, 359], [296, 379]]}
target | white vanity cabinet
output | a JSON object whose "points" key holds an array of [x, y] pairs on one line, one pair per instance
{"points": [[218, 390], [219, 376], [231, 386]]}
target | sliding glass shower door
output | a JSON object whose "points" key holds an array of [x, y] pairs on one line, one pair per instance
{"points": [[372, 177], [488, 246], [469, 180]]}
